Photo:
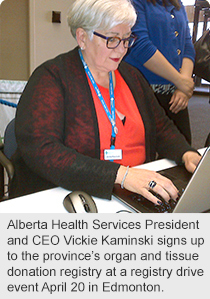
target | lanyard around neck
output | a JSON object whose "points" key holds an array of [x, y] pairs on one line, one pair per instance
{"points": [[111, 116]]}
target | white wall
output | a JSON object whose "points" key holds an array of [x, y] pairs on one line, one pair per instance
{"points": [[48, 39], [14, 52]]}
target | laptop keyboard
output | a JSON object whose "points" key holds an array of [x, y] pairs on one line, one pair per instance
{"points": [[163, 207], [177, 174], [140, 203]]}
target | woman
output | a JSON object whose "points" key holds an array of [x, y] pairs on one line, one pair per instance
{"points": [[164, 53], [68, 137]]}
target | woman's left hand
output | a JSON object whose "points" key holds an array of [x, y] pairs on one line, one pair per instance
{"points": [[191, 160], [179, 101]]}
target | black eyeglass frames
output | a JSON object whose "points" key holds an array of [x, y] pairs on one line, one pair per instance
{"points": [[113, 42]]}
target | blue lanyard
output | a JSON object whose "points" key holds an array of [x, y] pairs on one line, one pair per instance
{"points": [[111, 116]]}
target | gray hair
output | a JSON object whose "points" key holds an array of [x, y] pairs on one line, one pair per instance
{"points": [[100, 15]]}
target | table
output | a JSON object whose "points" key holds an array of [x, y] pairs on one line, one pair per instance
{"points": [[51, 201]]}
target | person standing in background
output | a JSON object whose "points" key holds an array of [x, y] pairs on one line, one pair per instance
{"points": [[165, 54]]}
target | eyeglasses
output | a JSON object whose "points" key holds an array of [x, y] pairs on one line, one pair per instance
{"points": [[113, 42]]}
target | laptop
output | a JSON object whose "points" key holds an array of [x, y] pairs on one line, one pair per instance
{"points": [[194, 189]]}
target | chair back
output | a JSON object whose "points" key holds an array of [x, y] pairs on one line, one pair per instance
{"points": [[6, 151], [10, 143]]}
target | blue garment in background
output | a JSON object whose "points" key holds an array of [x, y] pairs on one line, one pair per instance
{"points": [[162, 28]]}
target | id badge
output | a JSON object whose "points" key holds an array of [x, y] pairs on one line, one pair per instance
{"points": [[112, 154]]}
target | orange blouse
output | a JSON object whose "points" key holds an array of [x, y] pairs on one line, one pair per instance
{"points": [[131, 133]]}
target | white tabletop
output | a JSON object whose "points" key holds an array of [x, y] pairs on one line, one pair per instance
{"points": [[51, 201]]}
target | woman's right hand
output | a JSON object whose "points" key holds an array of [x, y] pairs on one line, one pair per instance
{"points": [[137, 180], [159, 65], [185, 84]]}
